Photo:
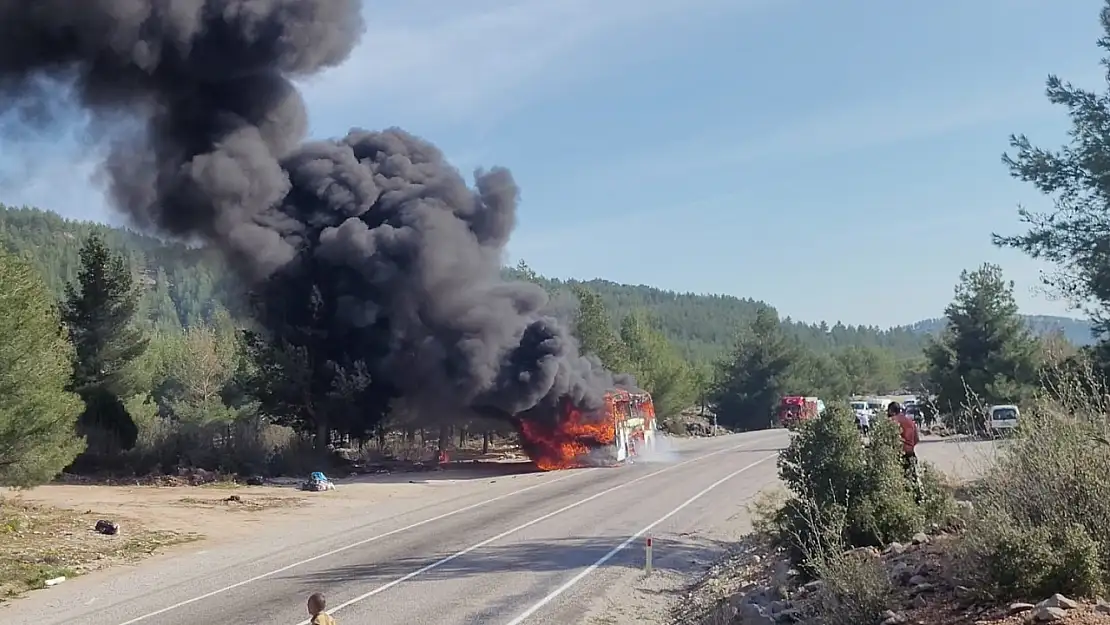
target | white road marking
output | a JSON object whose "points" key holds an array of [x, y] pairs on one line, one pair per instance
{"points": [[605, 558], [360, 543], [479, 545]]}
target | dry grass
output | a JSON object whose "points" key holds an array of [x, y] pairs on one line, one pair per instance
{"points": [[38, 543]]}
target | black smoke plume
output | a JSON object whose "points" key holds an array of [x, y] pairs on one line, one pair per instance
{"points": [[205, 130]]}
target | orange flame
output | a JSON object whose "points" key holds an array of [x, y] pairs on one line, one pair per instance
{"points": [[567, 444]]}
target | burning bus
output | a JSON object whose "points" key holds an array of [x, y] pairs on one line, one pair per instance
{"points": [[622, 428]]}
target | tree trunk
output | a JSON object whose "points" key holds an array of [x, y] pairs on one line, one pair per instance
{"points": [[462, 437], [485, 442], [323, 433], [444, 438]]}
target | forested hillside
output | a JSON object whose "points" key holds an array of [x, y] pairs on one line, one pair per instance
{"points": [[702, 326], [185, 286], [1076, 331]]}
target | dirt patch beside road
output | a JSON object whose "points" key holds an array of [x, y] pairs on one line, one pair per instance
{"points": [[49, 531], [40, 543]]}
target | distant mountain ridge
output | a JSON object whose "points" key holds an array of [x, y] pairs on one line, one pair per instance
{"points": [[1077, 331]]}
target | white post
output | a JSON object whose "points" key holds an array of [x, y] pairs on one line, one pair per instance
{"points": [[647, 557]]}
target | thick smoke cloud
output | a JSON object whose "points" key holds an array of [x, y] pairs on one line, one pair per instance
{"points": [[206, 134]]}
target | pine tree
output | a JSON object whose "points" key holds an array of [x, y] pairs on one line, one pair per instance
{"points": [[163, 312], [986, 354], [594, 330], [99, 312], [658, 368], [38, 415], [751, 379], [1075, 234]]}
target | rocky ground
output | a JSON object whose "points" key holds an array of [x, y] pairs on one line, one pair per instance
{"points": [[756, 586]]}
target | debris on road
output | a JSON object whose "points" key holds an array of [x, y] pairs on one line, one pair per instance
{"points": [[318, 482], [108, 528]]}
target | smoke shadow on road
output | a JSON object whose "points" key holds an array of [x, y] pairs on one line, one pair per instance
{"points": [[557, 556]]}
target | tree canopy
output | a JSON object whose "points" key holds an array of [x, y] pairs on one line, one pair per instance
{"points": [[986, 354], [99, 311], [38, 414]]}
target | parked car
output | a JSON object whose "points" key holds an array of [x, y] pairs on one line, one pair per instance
{"points": [[1003, 418]]}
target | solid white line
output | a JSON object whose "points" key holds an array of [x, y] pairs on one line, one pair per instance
{"points": [[479, 545], [345, 548], [605, 558]]}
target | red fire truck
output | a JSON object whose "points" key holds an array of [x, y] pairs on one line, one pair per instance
{"points": [[794, 409]]}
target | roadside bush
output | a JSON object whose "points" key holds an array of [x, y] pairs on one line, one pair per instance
{"points": [[1042, 509], [844, 494], [247, 446], [856, 587]]}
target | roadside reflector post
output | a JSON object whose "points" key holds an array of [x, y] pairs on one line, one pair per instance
{"points": [[647, 557]]}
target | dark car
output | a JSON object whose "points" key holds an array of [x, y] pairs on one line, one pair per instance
{"points": [[914, 412]]}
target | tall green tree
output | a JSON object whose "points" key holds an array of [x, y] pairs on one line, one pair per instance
{"points": [[525, 272], [751, 379], [302, 370], [99, 312], [869, 370], [202, 363], [702, 378], [594, 330], [38, 414], [986, 354], [1075, 234], [658, 368], [816, 373]]}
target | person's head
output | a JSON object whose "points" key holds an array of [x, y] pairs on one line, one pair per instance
{"points": [[317, 603], [894, 409]]}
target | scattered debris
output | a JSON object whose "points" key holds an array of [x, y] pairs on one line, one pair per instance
{"points": [[318, 482], [42, 546]]}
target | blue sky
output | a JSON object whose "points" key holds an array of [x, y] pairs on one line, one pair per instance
{"points": [[820, 156]]}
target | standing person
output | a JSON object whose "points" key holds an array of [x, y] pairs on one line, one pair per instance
{"points": [[864, 422], [911, 436], [316, 606]]}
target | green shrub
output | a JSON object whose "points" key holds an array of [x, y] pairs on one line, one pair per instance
{"points": [[1021, 561], [1042, 509], [844, 494], [856, 589]]}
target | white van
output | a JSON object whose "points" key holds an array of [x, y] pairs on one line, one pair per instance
{"points": [[1004, 417], [877, 406]]}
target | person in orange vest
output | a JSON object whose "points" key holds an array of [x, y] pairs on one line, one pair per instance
{"points": [[911, 436]]}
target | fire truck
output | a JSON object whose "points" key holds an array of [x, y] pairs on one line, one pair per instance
{"points": [[633, 416], [794, 409]]}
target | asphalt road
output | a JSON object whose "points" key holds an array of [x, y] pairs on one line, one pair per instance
{"points": [[534, 548]]}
